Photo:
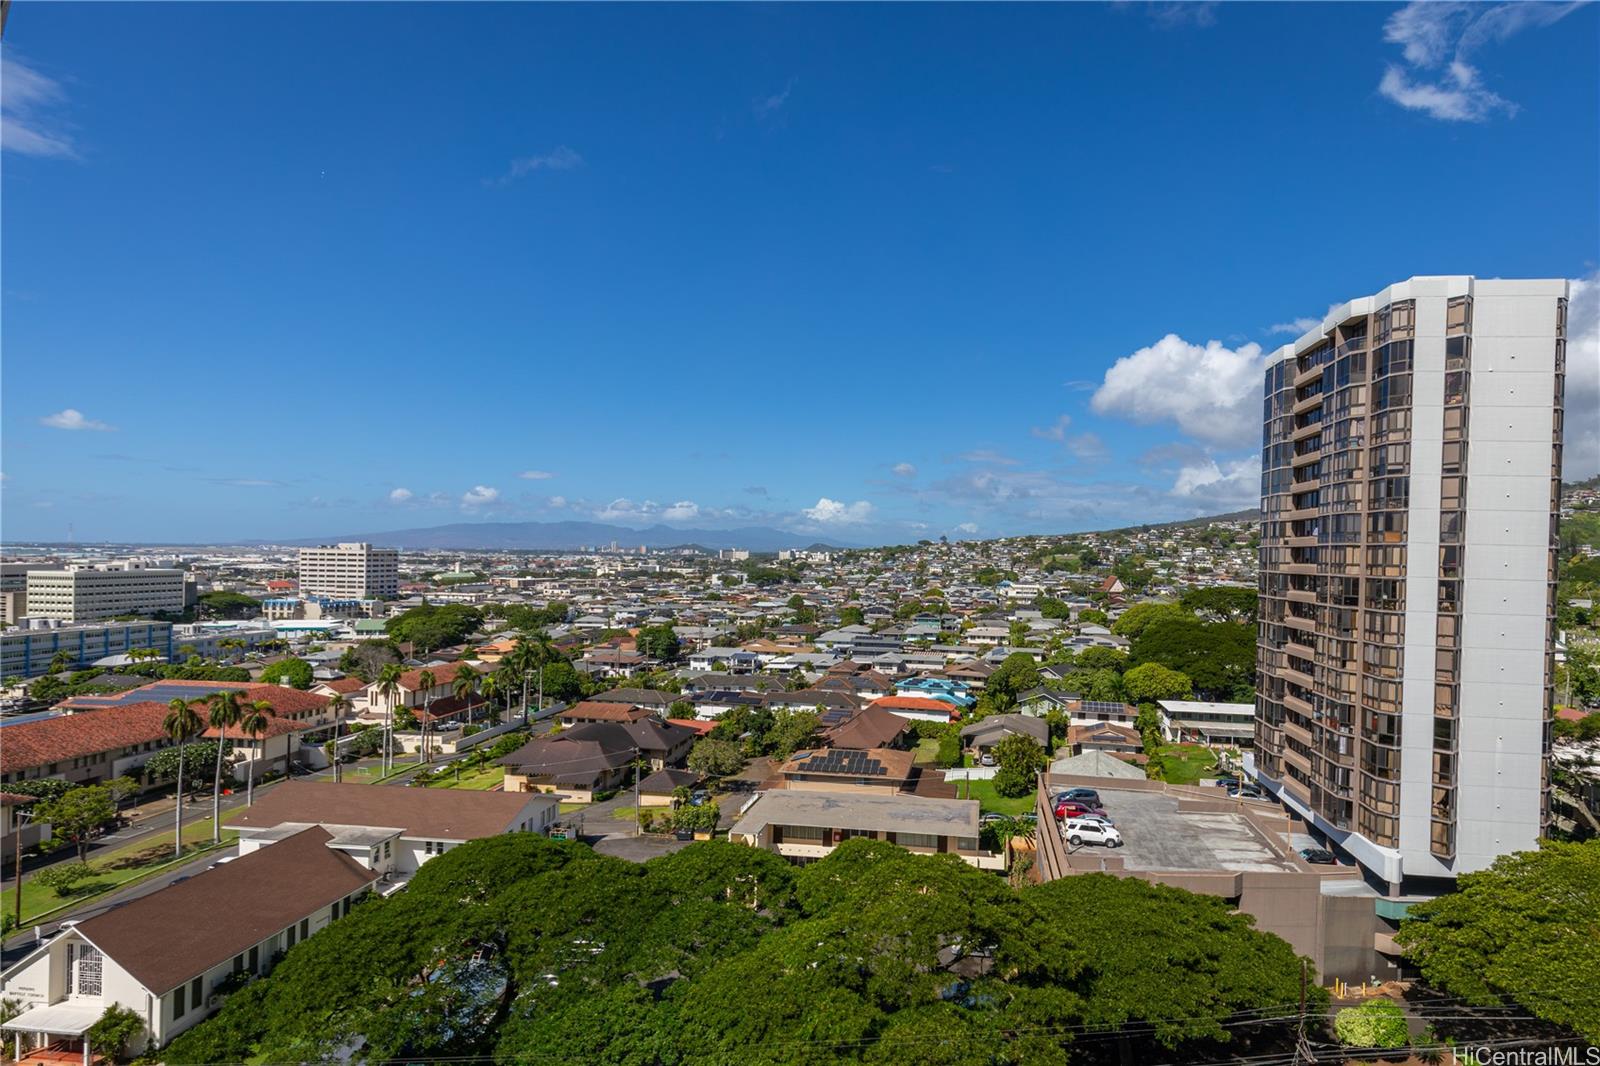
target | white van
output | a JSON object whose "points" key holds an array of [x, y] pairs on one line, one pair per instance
{"points": [[1080, 831]]}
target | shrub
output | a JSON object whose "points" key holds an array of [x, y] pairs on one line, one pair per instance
{"points": [[1375, 1023], [63, 877]]}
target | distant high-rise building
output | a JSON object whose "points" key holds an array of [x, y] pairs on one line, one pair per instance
{"points": [[1411, 472], [349, 571], [105, 590]]}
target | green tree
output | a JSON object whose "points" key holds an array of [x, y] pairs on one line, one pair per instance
{"points": [[851, 616], [658, 642], [791, 730], [711, 757], [1093, 616], [1136, 619], [63, 877], [1021, 759], [1150, 682], [1016, 675], [1222, 602], [429, 628], [224, 711], [229, 605], [388, 690], [254, 723], [115, 1030], [1219, 657], [680, 709], [180, 725], [296, 673], [1526, 930], [78, 815], [1377, 1023]]}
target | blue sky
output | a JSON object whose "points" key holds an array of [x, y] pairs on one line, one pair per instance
{"points": [[871, 272]]}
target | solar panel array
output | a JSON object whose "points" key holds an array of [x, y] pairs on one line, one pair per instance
{"points": [[844, 761], [1103, 707]]}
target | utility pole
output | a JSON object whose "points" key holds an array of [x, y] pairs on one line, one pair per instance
{"points": [[22, 819]]}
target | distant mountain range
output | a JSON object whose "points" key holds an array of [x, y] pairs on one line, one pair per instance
{"points": [[570, 536]]}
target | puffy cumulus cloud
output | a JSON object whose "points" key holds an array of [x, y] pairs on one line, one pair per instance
{"points": [[479, 496], [969, 528], [835, 512], [1438, 39], [399, 495], [73, 419], [1581, 430], [1212, 393], [1212, 486], [1056, 430], [681, 511], [536, 475], [904, 470], [558, 502]]}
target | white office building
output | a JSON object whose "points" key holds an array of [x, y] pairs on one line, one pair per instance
{"points": [[1411, 475], [88, 593], [349, 571]]}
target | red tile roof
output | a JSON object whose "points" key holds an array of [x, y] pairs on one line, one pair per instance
{"points": [[443, 674], [344, 686], [89, 732], [913, 703]]}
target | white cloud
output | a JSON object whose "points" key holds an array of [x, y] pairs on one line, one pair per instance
{"points": [[479, 496], [399, 495], [904, 470], [989, 456], [73, 419], [767, 105], [558, 158], [1231, 486], [536, 475], [1581, 446], [968, 528], [1087, 446], [1438, 39], [1057, 430], [681, 511], [835, 512], [1212, 393], [1297, 327], [25, 125], [557, 502]]}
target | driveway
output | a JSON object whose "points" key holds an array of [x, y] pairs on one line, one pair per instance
{"points": [[639, 849]]}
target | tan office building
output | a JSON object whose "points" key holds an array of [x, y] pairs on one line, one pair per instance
{"points": [[349, 571]]}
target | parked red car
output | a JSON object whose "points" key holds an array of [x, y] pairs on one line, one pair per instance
{"points": [[1069, 809]]}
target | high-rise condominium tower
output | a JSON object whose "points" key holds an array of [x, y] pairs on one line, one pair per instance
{"points": [[1411, 471]]}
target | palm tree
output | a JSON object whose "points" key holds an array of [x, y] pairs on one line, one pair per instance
{"points": [[425, 683], [252, 724], [224, 711], [465, 686], [338, 704], [182, 724], [491, 689], [388, 689], [508, 687], [533, 652]]}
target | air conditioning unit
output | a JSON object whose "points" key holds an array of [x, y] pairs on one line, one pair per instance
{"points": [[214, 1000]]}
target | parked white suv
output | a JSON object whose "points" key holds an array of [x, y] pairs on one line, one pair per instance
{"points": [[1080, 831]]}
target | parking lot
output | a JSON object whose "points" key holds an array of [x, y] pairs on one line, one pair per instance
{"points": [[1157, 837]]}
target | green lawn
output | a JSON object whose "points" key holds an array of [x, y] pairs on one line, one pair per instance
{"points": [[1185, 764], [568, 808], [625, 814], [926, 751], [123, 866], [480, 779], [991, 801], [372, 775]]}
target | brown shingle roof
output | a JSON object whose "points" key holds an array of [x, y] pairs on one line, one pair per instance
{"points": [[165, 938], [596, 711], [871, 727], [433, 813]]}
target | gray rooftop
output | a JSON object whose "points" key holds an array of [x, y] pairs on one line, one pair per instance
{"points": [[847, 810]]}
